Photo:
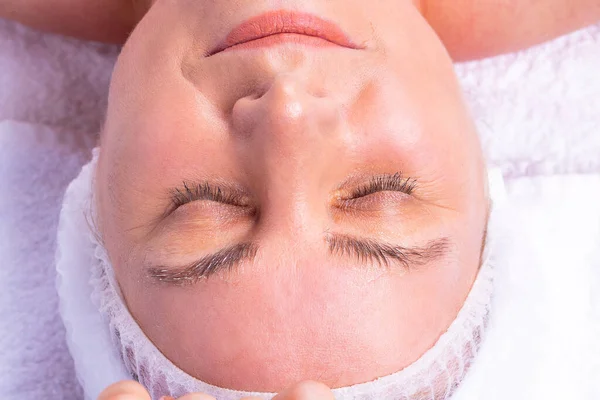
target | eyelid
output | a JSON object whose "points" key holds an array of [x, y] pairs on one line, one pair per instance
{"points": [[206, 191], [380, 183]]}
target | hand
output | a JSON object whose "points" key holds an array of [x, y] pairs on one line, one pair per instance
{"points": [[307, 390], [130, 390]]}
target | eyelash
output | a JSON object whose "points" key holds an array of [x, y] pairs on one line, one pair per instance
{"points": [[204, 191], [384, 183]]}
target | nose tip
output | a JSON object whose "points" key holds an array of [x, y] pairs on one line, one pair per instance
{"points": [[287, 100], [286, 105]]}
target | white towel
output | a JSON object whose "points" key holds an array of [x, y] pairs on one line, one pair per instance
{"points": [[542, 341], [538, 112]]}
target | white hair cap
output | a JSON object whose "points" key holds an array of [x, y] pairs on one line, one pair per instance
{"points": [[107, 345]]}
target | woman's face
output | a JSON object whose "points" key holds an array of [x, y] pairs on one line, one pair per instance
{"points": [[291, 212]]}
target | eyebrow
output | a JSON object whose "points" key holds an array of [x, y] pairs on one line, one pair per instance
{"points": [[384, 253], [224, 259], [365, 250]]}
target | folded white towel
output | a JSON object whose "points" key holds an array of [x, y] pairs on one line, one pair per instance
{"points": [[538, 112]]}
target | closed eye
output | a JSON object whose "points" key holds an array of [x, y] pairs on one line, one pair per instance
{"points": [[378, 183], [383, 183], [238, 197], [190, 192]]}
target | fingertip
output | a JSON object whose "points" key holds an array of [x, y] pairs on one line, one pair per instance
{"points": [[197, 396], [125, 390], [307, 390]]}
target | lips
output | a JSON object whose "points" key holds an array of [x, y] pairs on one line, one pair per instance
{"points": [[281, 26]]}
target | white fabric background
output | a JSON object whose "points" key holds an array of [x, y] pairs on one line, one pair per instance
{"points": [[542, 342], [538, 112]]}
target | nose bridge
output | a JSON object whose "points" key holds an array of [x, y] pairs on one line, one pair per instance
{"points": [[289, 134]]}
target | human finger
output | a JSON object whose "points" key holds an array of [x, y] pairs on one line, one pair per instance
{"points": [[306, 390], [197, 396], [125, 390]]}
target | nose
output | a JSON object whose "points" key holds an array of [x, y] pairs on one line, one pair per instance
{"points": [[287, 111], [291, 134]]}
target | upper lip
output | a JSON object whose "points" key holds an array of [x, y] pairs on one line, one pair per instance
{"points": [[283, 21]]}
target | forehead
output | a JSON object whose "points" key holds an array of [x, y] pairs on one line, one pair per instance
{"points": [[361, 319]]}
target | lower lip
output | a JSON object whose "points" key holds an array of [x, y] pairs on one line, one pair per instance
{"points": [[283, 38]]}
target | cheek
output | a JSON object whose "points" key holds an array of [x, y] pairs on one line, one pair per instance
{"points": [[155, 115], [145, 154], [435, 143], [428, 136]]}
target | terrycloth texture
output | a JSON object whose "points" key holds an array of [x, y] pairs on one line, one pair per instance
{"points": [[538, 112], [53, 80], [36, 163], [542, 342]]}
